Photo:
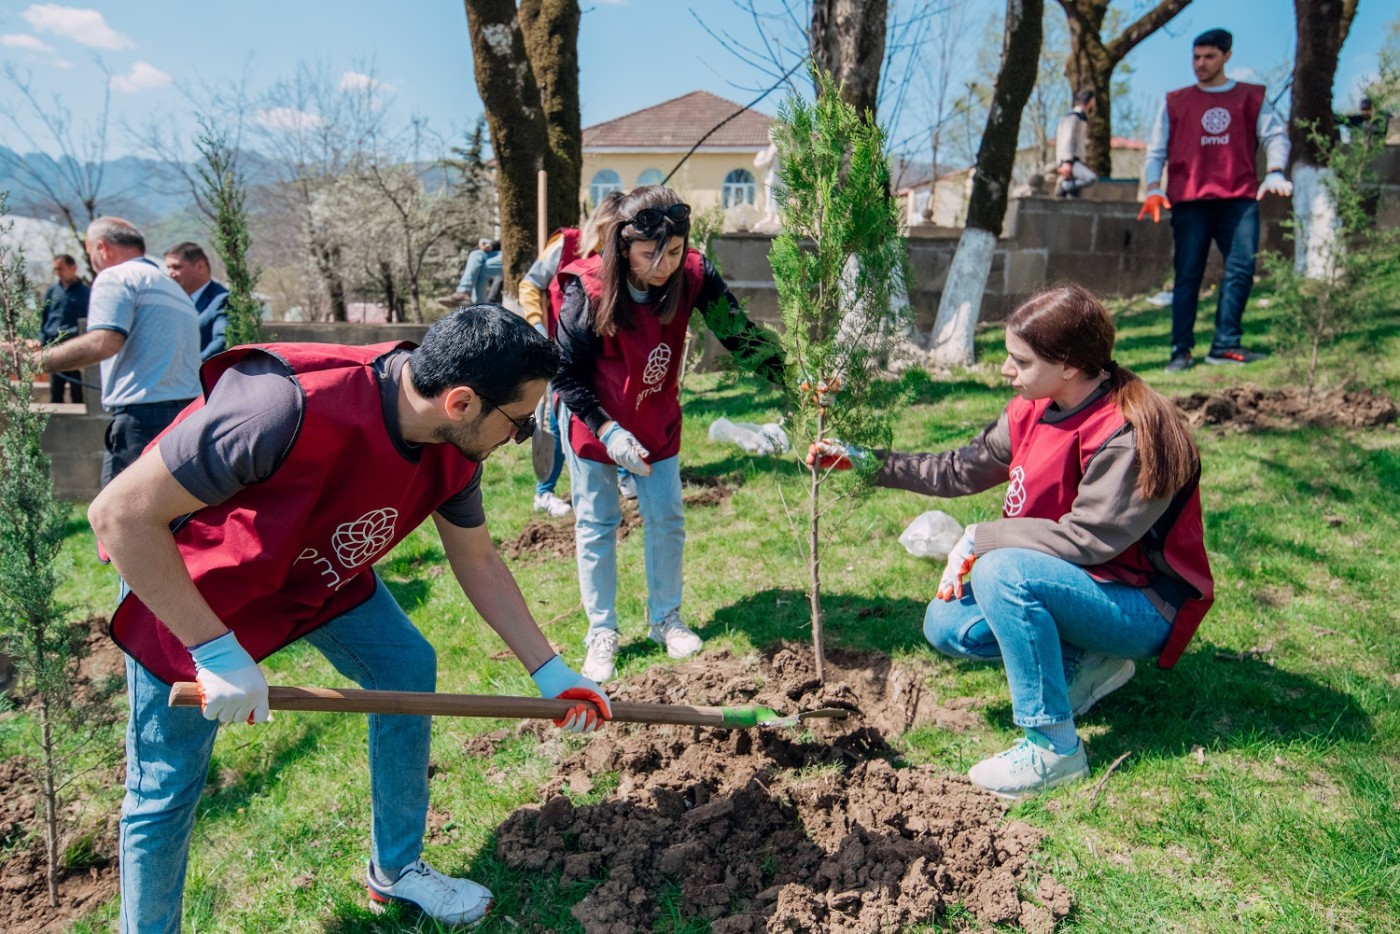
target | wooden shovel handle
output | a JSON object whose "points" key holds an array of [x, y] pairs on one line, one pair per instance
{"points": [[337, 700]]}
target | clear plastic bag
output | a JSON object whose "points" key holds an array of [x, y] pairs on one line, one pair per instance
{"points": [[931, 535], [767, 439]]}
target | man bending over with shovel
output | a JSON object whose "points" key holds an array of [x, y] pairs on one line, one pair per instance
{"points": [[253, 521]]}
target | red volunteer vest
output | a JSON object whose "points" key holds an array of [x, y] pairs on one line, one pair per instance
{"points": [[287, 555], [1048, 462], [1211, 142], [637, 377], [571, 243]]}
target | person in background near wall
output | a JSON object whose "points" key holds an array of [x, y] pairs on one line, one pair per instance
{"points": [[622, 328], [1206, 135], [65, 303], [539, 296], [188, 265], [1071, 145], [144, 331], [1367, 123], [1099, 556], [483, 277]]}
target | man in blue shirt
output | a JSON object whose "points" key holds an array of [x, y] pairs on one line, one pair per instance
{"points": [[65, 302]]}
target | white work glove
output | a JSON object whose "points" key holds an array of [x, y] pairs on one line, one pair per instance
{"points": [[626, 451], [556, 679], [1274, 184], [230, 682], [950, 586]]}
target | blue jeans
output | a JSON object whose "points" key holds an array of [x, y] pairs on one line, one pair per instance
{"points": [[597, 514], [1038, 615], [548, 483], [168, 750], [1233, 225]]}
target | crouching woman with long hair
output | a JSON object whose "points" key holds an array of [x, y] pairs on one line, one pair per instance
{"points": [[1099, 557]]}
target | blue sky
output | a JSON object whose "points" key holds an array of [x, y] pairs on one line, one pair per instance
{"points": [[633, 53]]}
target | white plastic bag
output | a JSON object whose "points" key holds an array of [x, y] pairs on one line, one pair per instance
{"points": [[765, 439], [931, 535]]}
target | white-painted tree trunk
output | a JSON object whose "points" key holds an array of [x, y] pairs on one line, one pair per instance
{"points": [[1316, 225], [961, 303]]}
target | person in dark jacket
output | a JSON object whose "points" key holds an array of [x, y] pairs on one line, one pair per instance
{"points": [[188, 265], [65, 303]]}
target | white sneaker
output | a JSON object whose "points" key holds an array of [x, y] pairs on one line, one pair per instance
{"points": [[551, 504], [1091, 683], [1027, 768], [600, 664], [678, 638], [443, 898], [627, 486]]}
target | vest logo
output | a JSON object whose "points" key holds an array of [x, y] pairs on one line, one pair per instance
{"points": [[1216, 120], [362, 540], [1015, 493], [658, 364]]}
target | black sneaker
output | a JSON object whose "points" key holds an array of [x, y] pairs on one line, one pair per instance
{"points": [[1180, 362], [1232, 356]]}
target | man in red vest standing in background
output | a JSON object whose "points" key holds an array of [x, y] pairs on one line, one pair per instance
{"points": [[254, 521], [1206, 135]]}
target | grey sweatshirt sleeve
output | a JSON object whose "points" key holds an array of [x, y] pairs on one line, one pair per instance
{"points": [[1107, 517], [979, 465]]}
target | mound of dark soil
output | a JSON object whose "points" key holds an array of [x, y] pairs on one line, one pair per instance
{"points": [[812, 830], [1244, 407]]}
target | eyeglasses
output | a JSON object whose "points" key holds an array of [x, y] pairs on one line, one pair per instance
{"points": [[651, 218], [524, 428]]}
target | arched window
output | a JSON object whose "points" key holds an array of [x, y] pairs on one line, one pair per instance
{"points": [[603, 184], [739, 188], [651, 177]]}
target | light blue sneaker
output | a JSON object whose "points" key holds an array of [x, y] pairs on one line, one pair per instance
{"points": [[1095, 678], [1026, 768]]}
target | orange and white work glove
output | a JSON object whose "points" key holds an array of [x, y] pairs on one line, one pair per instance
{"points": [[230, 682], [1274, 184], [833, 455], [625, 450], [556, 679], [960, 559], [1154, 204]]}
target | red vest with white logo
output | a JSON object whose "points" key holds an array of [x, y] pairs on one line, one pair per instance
{"points": [[1211, 142], [285, 556], [570, 243], [1048, 462], [637, 370]]}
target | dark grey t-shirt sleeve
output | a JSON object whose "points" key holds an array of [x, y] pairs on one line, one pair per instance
{"points": [[464, 509], [242, 434]]}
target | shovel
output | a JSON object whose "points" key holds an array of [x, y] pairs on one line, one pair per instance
{"points": [[337, 700]]}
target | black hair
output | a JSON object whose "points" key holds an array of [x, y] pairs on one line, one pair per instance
{"points": [[1216, 38], [189, 252], [66, 259], [1084, 96], [494, 247], [485, 347]]}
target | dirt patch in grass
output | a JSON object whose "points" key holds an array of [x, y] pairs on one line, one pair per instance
{"points": [[819, 829], [1245, 407]]}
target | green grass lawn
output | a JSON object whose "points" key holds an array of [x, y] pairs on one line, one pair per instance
{"points": [[1259, 792]]}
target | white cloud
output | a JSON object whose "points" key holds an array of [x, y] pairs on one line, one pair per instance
{"points": [[142, 77], [63, 63], [286, 118], [355, 81], [27, 43], [1244, 73], [85, 27]]}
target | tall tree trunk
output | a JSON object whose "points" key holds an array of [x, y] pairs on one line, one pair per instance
{"points": [[961, 302], [550, 29], [1322, 28], [848, 40], [1091, 63]]}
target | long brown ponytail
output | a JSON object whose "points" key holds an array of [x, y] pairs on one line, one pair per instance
{"points": [[1069, 325]]}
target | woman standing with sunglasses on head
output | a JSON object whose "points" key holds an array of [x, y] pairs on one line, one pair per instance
{"points": [[622, 327]]}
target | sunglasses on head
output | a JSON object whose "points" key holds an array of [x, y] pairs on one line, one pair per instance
{"points": [[524, 428], [651, 218]]}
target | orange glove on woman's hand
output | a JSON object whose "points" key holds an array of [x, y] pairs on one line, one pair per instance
{"points": [[960, 561], [1155, 204]]}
